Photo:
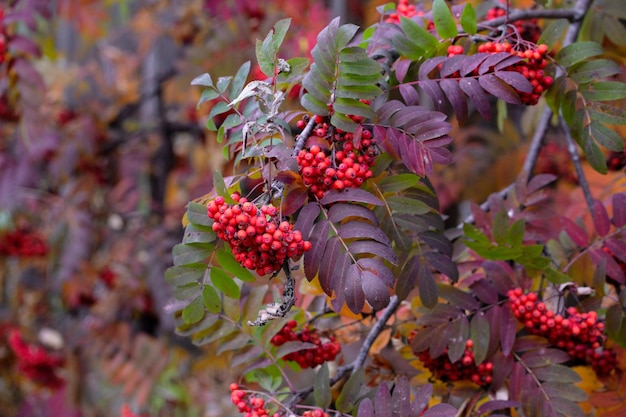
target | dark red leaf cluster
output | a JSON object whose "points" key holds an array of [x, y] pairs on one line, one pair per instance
{"points": [[307, 358], [22, 243], [257, 237], [581, 335], [35, 363], [464, 369]]}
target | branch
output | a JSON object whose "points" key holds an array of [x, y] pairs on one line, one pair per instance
{"points": [[303, 136], [575, 14], [352, 367], [573, 153]]}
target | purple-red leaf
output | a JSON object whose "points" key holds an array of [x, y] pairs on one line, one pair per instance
{"points": [[525, 343], [421, 398], [544, 357], [452, 65], [475, 92], [600, 218], [362, 230], [459, 332], [408, 278], [401, 67], [369, 246], [409, 94], [382, 401], [613, 269], [619, 209], [295, 346], [575, 232], [540, 181], [439, 340], [376, 292], [491, 61], [429, 65], [515, 80], [306, 219], [440, 410], [366, 408], [401, 398], [471, 63], [23, 44], [351, 195], [432, 89], [495, 405], [457, 99], [458, 297], [617, 247], [443, 264], [499, 88], [427, 286], [340, 211], [379, 269], [353, 291], [508, 330], [502, 366], [437, 241], [328, 265], [318, 239], [480, 333], [485, 291]]}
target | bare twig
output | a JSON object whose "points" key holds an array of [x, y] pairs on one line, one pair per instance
{"points": [[573, 153], [575, 14], [303, 136]]}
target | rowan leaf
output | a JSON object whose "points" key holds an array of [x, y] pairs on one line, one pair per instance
{"points": [[224, 283], [577, 52], [444, 22]]}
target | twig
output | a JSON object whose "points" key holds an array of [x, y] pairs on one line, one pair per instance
{"points": [[303, 136], [353, 366], [573, 153], [575, 14]]}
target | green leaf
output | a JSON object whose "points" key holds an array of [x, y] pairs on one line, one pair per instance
{"points": [[194, 311], [556, 372], [352, 106], [422, 38], [362, 67], [321, 387], [197, 214], [225, 283], [212, 300], [553, 32], [280, 30], [578, 52], [204, 79], [189, 254], [187, 291], [313, 105], [408, 205], [400, 182], [223, 83], [230, 264], [220, 186], [515, 234], [199, 235], [606, 136], [590, 71], [500, 227], [350, 392], [444, 22], [594, 154], [239, 80], [607, 114], [468, 19], [358, 91], [343, 122], [568, 106], [219, 330], [207, 95], [604, 91], [183, 275], [219, 108]]}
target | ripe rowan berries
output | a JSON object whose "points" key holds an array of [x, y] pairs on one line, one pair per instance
{"points": [[581, 335], [465, 369], [22, 243], [307, 358], [258, 239]]}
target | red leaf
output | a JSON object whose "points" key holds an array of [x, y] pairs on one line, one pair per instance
{"points": [[409, 94], [340, 211], [376, 292], [295, 198], [375, 248], [508, 330], [479, 97], [313, 257], [619, 209], [499, 88], [353, 294], [617, 247], [306, 219], [457, 99], [427, 286], [515, 80], [351, 195], [379, 269], [601, 218], [491, 61], [613, 269], [382, 401], [328, 268], [575, 232]]}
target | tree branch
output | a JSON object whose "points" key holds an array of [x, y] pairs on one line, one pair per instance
{"points": [[575, 14], [573, 153]]}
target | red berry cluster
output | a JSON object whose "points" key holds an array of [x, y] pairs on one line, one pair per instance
{"points": [[532, 67], [257, 237], [581, 335], [308, 358], [616, 161], [345, 163], [315, 413], [528, 29], [465, 369], [22, 243], [407, 10], [249, 405], [35, 363]]}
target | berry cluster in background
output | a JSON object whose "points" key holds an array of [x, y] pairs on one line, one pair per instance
{"points": [[581, 335], [254, 406], [35, 363], [527, 29], [307, 358], [342, 160], [22, 243], [464, 369], [257, 237]]}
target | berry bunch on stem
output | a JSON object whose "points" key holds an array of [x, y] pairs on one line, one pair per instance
{"points": [[35, 363], [307, 358], [465, 369], [257, 237], [581, 335]]}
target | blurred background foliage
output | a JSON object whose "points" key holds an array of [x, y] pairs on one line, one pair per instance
{"points": [[101, 147]]}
